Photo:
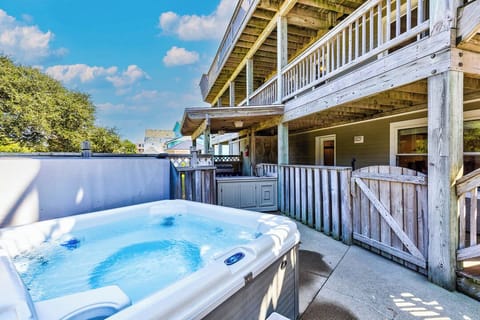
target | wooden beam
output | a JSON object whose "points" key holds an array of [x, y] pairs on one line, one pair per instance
{"points": [[327, 5], [445, 166], [199, 131]]}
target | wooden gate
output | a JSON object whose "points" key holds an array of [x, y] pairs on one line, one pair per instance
{"points": [[390, 211]]}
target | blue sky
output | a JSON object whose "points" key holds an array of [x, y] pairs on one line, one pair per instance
{"points": [[141, 61]]}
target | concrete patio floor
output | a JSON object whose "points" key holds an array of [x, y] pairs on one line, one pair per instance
{"points": [[349, 282]]}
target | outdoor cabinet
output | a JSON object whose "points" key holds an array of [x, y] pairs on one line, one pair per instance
{"points": [[252, 193]]}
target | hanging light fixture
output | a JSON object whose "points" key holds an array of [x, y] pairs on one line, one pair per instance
{"points": [[238, 123]]}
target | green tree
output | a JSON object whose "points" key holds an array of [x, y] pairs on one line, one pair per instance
{"points": [[39, 114]]}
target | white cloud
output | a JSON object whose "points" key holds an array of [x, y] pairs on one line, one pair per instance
{"points": [[128, 77], [179, 56], [110, 107], [194, 27], [82, 72], [146, 95], [25, 43]]}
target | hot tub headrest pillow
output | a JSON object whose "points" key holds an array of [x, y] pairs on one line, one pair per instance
{"points": [[17, 303]]}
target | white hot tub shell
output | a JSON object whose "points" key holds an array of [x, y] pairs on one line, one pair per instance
{"points": [[264, 281]]}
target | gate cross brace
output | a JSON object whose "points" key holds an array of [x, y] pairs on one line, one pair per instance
{"points": [[390, 220]]}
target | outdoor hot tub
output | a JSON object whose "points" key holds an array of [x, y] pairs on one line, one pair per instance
{"points": [[170, 259]]}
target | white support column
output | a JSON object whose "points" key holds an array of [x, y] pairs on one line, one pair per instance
{"points": [[445, 165], [219, 102], [206, 136], [282, 141], [249, 70], [232, 94], [282, 53], [253, 146]]}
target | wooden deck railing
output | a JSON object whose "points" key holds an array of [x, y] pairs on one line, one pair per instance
{"points": [[266, 169], [318, 196], [373, 30], [266, 94], [467, 191], [243, 9]]}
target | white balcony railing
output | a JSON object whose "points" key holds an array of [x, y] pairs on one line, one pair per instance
{"points": [[243, 10], [376, 29]]}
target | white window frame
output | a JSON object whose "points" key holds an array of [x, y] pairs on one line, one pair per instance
{"points": [[416, 123], [319, 148]]}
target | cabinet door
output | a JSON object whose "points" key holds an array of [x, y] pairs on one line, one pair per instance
{"points": [[267, 194], [247, 195], [228, 195]]}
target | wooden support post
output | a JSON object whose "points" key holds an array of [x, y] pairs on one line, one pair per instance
{"points": [[282, 142], [282, 54], [445, 165], [232, 94], [249, 71], [253, 161], [206, 136]]}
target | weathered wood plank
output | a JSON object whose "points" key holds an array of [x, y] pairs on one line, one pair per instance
{"points": [[473, 216], [364, 210], [318, 199], [396, 204], [468, 182], [390, 250], [410, 212], [297, 194], [462, 224], [310, 213], [422, 228], [326, 202], [391, 222], [421, 179], [292, 192], [374, 214], [346, 209], [303, 195], [468, 253], [336, 223], [384, 187], [356, 204], [445, 162]]}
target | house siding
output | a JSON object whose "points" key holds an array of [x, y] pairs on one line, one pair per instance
{"points": [[374, 151]]}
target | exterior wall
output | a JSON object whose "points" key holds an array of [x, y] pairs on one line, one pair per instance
{"points": [[374, 151], [40, 189]]}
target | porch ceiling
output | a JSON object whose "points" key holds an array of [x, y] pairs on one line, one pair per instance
{"points": [[308, 20], [408, 98], [223, 119]]}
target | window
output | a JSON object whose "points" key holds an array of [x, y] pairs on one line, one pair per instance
{"points": [[409, 143], [471, 145], [412, 148]]}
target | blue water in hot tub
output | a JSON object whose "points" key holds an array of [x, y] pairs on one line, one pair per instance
{"points": [[140, 255]]}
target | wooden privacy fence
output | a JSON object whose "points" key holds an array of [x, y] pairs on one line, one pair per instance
{"points": [[467, 191], [390, 211], [192, 177], [195, 184], [319, 196]]}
